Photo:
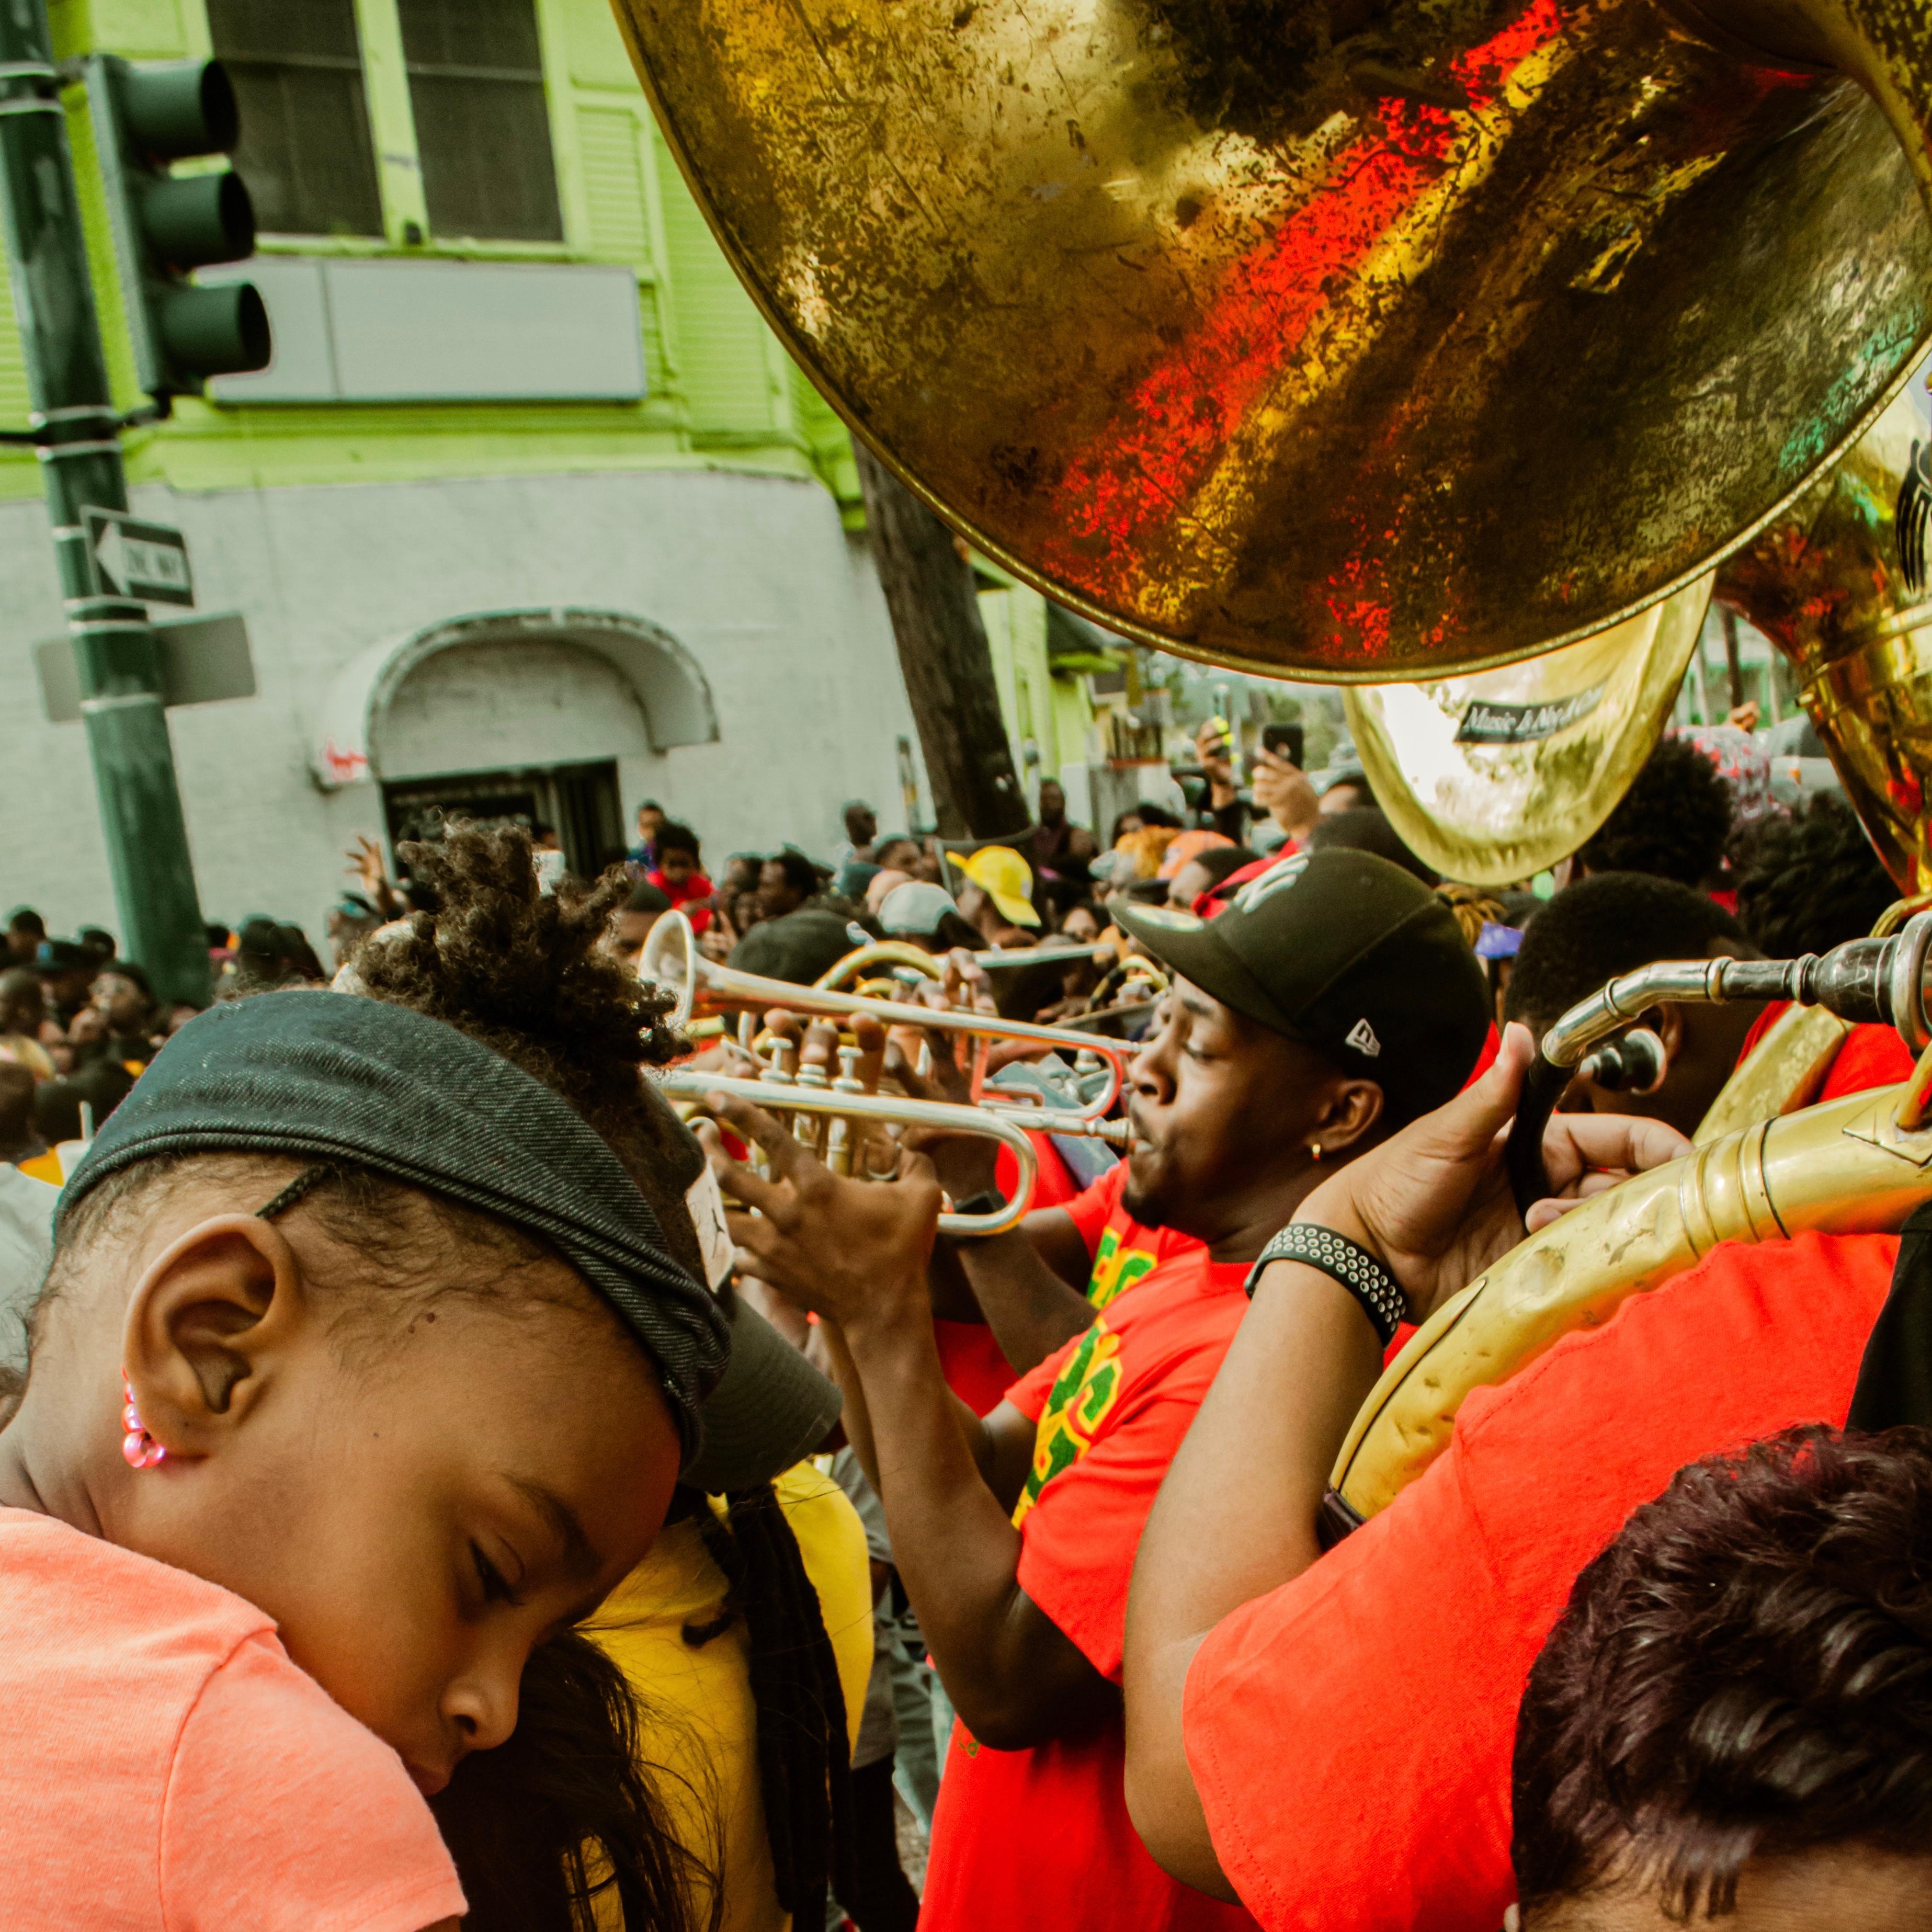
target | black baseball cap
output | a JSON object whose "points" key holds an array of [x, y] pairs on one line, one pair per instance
{"points": [[797, 946], [61, 955], [1345, 953]]}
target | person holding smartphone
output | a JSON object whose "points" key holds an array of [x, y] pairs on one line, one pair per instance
{"points": [[1282, 790], [1214, 747]]}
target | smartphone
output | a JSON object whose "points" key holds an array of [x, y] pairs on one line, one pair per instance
{"points": [[1285, 741]]}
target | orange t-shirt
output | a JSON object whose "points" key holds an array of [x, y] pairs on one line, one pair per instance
{"points": [[1041, 1837], [168, 1768], [1350, 1732]]}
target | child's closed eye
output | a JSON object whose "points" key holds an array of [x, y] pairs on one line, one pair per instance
{"points": [[495, 1590]]}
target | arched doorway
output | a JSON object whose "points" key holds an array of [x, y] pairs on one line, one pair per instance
{"points": [[543, 715]]}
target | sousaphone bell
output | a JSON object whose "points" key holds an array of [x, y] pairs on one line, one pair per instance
{"points": [[1361, 341]]}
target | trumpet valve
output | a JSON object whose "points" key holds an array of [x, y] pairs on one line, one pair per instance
{"points": [[848, 1080]]}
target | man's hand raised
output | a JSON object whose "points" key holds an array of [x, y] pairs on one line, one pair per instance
{"points": [[1434, 1200], [853, 1252]]}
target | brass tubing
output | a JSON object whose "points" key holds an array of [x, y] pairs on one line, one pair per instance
{"points": [[696, 974], [781, 1098], [1848, 1166], [1869, 980]]}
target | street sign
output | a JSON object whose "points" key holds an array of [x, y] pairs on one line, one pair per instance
{"points": [[132, 559], [202, 660]]}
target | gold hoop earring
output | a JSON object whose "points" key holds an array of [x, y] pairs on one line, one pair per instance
{"points": [[1314, 1148]]}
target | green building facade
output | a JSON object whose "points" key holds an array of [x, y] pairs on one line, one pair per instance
{"points": [[531, 512]]}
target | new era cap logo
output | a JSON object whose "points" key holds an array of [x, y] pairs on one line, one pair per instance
{"points": [[1362, 1038], [1275, 879]]}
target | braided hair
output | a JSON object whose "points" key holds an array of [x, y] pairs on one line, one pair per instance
{"points": [[805, 1759], [1475, 906], [528, 974]]}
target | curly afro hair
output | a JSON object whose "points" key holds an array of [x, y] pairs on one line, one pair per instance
{"points": [[1811, 880], [1672, 823], [1609, 923], [527, 972]]}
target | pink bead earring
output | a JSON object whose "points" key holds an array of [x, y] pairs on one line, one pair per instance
{"points": [[141, 1450]]}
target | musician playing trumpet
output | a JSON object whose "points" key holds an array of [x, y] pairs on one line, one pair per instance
{"points": [[1332, 1002]]}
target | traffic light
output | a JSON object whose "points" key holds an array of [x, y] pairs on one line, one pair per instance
{"points": [[146, 117]]}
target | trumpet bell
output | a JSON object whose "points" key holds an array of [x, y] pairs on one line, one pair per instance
{"points": [[1492, 777], [1363, 344]]}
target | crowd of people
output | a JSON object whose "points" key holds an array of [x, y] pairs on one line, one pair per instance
{"points": [[462, 1486]]}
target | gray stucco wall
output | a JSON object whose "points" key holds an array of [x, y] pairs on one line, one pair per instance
{"points": [[754, 577]]}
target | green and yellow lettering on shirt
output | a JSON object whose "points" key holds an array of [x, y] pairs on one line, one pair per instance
{"points": [[1116, 1269], [1085, 1390]]}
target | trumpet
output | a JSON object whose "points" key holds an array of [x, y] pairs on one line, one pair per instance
{"points": [[725, 986], [822, 1112]]}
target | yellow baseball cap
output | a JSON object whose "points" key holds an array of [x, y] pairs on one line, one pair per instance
{"points": [[1004, 877]]}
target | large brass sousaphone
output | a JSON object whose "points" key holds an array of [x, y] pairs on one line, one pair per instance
{"points": [[1493, 775], [1858, 1165], [1360, 340]]}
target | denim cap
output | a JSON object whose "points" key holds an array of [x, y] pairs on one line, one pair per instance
{"points": [[313, 1075]]}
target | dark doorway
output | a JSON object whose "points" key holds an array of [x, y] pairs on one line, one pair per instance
{"points": [[581, 801]]}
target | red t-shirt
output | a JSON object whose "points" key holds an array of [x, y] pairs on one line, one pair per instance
{"points": [[1123, 1251], [1493, 1045], [1350, 1733], [693, 886], [974, 1365], [1041, 1837], [1052, 1185]]}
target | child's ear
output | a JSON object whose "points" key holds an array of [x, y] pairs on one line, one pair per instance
{"points": [[208, 1320]]}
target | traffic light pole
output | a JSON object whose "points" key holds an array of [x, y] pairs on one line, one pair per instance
{"points": [[78, 437]]}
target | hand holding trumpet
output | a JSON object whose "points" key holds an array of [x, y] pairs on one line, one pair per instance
{"points": [[852, 1252]]}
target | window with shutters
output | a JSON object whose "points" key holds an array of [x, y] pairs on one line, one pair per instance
{"points": [[476, 89], [305, 151]]}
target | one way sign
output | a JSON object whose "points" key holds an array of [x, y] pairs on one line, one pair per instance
{"points": [[132, 559]]}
